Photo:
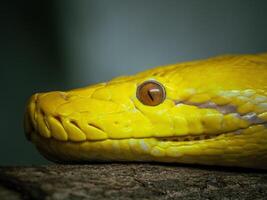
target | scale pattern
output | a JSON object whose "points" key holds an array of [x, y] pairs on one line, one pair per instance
{"points": [[215, 113]]}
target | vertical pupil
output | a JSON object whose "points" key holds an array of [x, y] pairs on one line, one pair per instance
{"points": [[150, 95]]}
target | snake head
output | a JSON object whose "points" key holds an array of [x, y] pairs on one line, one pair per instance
{"points": [[206, 112]]}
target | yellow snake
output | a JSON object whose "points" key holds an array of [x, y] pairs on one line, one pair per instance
{"points": [[211, 112]]}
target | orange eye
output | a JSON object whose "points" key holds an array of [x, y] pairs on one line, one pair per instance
{"points": [[151, 93]]}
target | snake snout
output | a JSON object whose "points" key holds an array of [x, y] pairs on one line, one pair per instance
{"points": [[40, 116]]}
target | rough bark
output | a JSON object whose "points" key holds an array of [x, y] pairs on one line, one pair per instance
{"points": [[130, 181]]}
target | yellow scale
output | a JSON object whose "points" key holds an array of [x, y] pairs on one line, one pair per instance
{"points": [[211, 112]]}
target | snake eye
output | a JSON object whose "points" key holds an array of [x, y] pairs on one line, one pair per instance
{"points": [[151, 93]]}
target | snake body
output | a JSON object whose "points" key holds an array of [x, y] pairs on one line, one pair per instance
{"points": [[214, 113]]}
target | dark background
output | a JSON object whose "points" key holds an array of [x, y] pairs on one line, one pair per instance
{"points": [[58, 45]]}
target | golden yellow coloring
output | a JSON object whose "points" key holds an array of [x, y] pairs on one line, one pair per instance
{"points": [[213, 112]]}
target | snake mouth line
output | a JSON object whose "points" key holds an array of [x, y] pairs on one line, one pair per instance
{"points": [[188, 138], [184, 139], [196, 138], [203, 137]]}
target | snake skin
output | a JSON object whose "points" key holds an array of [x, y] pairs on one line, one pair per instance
{"points": [[215, 113]]}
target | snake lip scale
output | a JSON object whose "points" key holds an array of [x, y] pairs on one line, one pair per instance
{"points": [[189, 137], [211, 112], [182, 138]]}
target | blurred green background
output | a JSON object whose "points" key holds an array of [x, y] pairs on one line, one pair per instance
{"points": [[59, 45]]}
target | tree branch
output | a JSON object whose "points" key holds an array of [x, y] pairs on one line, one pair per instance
{"points": [[131, 181]]}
